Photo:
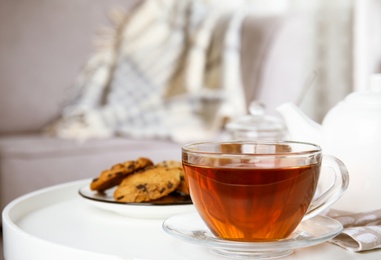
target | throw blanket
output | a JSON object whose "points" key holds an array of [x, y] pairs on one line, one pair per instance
{"points": [[169, 69]]}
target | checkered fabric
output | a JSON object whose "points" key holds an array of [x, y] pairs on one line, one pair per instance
{"points": [[169, 69]]}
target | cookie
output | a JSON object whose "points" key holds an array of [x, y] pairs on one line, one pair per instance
{"points": [[170, 164], [149, 184], [183, 186], [114, 176]]}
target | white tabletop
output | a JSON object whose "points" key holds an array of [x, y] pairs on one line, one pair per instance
{"points": [[56, 223]]}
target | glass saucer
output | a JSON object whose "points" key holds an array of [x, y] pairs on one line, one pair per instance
{"points": [[190, 227]]}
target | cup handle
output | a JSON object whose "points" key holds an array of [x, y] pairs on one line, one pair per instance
{"points": [[334, 192]]}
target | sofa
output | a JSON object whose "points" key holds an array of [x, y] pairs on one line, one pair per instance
{"points": [[43, 46]]}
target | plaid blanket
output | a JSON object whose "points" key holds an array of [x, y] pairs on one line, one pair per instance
{"points": [[168, 69]]}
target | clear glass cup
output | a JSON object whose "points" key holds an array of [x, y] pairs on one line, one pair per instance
{"points": [[259, 191]]}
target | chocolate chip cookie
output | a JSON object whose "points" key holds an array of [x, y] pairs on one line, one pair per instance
{"points": [[149, 184], [183, 186], [114, 176]]}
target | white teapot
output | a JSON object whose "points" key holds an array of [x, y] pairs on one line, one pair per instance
{"points": [[351, 131]]}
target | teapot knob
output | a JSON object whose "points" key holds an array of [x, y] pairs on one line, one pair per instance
{"points": [[256, 108]]}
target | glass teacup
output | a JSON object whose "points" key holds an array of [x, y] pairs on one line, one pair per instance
{"points": [[259, 191]]}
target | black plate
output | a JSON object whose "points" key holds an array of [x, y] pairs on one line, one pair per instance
{"points": [[107, 196]]}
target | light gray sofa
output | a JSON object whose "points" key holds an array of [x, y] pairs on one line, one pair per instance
{"points": [[44, 44]]}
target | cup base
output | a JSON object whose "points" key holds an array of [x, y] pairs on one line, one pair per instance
{"points": [[273, 254]]}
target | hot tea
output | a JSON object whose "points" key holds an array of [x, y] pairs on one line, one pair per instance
{"points": [[246, 203]]}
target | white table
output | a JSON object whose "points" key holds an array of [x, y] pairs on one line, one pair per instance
{"points": [[56, 223]]}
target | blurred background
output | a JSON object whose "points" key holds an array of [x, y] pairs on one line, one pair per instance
{"points": [[48, 42]]}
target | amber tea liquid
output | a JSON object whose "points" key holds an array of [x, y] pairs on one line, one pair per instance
{"points": [[240, 202]]}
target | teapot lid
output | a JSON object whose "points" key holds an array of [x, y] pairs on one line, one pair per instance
{"points": [[372, 96], [257, 122]]}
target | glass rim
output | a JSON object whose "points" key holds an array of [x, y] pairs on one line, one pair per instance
{"points": [[310, 148]]}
